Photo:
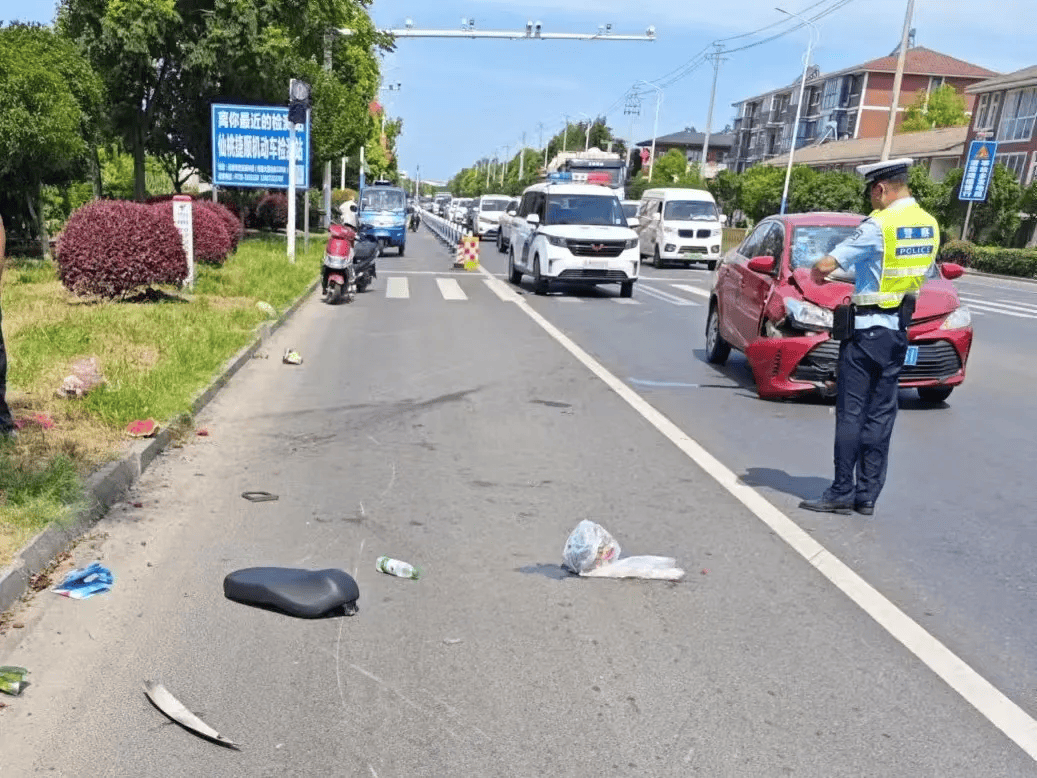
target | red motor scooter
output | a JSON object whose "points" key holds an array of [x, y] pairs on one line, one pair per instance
{"points": [[338, 278]]}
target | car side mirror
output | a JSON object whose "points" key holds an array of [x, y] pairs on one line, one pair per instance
{"points": [[633, 221], [763, 265], [533, 218], [723, 218], [655, 217], [951, 270], [512, 212]]}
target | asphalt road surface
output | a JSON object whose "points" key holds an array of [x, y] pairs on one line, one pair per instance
{"points": [[466, 426]]}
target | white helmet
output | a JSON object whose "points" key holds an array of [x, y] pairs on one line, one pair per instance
{"points": [[348, 210]]}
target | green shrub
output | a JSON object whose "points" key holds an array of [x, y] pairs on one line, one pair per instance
{"points": [[1006, 262], [961, 251]]}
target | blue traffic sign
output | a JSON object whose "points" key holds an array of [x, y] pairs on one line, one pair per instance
{"points": [[250, 147], [979, 168]]}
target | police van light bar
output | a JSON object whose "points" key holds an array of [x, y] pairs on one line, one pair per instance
{"points": [[560, 175]]}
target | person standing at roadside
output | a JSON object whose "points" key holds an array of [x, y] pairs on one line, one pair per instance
{"points": [[6, 421], [891, 252]]}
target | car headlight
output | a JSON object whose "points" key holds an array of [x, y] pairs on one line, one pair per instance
{"points": [[715, 233], [633, 243], [958, 319], [669, 230], [807, 316], [555, 241]]}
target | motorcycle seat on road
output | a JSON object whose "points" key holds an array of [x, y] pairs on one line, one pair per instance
{"points": [[304, 593]]}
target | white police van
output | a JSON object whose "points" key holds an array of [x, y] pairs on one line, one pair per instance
{"points": [[572, 233]]}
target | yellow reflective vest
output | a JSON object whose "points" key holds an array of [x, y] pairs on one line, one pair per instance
{"points": [[910, 239]]}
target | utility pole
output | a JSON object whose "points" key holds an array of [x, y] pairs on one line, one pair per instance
{"points": [[715, 56], [504, 167], [522, 158], [565, 135], [327, 165], [887, 145]]}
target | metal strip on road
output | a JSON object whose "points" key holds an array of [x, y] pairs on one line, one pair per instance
{"points": [[692, 289], [397, 288], [990, 702], [666, 297], [450, 289]]}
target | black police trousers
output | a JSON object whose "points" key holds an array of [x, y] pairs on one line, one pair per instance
{"points": [[870, 362], [6, 422]]}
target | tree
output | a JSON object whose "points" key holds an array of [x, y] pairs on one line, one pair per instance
{"points": [[49, 118], [943, 107], [996, 220], [810, 190], [761, 188], [165, 61], [725, 188]]}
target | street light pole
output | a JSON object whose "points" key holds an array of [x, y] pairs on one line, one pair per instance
{"points": [[887, 144], [655, 128], [709, 116], [799, 105]]}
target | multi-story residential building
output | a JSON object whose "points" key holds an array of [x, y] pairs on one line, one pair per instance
{"points": [[690, 142], [849, 103], [1006, 111]]}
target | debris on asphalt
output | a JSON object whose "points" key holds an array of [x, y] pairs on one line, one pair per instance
{"points": [[203, 433], [12, 679], [395, 567], [291, 357], [172, 707], [142, 428], [260, 496], [86, 582], [592, 552], [452, 641], [308, 594]]}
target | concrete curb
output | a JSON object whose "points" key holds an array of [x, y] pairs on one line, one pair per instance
{"points": [[981, 274], [109, 484]]}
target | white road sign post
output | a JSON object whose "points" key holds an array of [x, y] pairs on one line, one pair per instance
{"points": [[183, 219]]}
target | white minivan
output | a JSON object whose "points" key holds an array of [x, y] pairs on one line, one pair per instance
{"points": [[680, 225]]}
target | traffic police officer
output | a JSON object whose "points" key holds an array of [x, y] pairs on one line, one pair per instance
{"points": [[890, 252]]}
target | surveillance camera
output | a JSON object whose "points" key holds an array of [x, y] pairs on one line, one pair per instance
{"points": [[650, 32], [608, 28], [464, 22], [408, 23]]}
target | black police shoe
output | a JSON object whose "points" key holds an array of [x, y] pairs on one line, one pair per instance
{"points": [[866, 508], [824, 505]]}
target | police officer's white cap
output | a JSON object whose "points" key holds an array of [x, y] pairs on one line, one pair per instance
{"points": [[880, 171]]}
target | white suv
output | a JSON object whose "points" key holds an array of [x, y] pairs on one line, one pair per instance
{"points": [[574, 233]]}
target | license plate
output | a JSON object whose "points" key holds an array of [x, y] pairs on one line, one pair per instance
{"points": [[599, 264], [912, 356]]}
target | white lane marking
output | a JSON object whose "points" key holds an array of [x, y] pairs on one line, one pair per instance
{"points": [[1021, 305], [991, 703], [502, 290], [450, 289], [692, 289], [997, 308], [666, 297], [561, 298], [625, 301], [397, 288]]}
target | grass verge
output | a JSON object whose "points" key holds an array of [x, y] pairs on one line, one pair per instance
{"points": [[156, 352]]}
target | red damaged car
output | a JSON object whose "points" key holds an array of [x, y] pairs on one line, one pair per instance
{"points": [[764, 304]]}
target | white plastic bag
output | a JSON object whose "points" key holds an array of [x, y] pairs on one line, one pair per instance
{"points": [[592, 552], [589, 546]]}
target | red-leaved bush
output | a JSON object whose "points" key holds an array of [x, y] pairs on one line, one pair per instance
{"points": [[109, 247], [211, 241], [235, 231], [272, 212]]}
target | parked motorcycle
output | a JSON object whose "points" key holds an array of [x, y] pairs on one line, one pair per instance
{"points": [[349, 259]]}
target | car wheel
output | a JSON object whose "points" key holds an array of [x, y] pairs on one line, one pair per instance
{"points": [[717, 349], [514, 274], [540, 284], [402, 247], [500, 243], [626, 289], [658, 261], [934, 394], [711, 264]]}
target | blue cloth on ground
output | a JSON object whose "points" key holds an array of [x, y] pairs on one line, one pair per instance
{"points": [[86, 582]]}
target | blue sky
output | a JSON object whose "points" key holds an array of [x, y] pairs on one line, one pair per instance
{"points": [[464, 99]]}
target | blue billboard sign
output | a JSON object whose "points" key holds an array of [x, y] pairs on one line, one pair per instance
{"points": [[250, 147], [979, 168]]}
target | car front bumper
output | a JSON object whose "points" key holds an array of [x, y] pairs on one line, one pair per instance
{"points": [[564, 266], [690, 249], [803, 364]]}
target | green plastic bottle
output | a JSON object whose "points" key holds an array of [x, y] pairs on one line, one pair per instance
{"points": [[396, 567]]}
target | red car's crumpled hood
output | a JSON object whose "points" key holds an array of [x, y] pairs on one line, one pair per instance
{"points": [[938, 297]]}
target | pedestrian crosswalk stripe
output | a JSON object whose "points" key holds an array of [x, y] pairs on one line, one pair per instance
{"points": [[692, 289], [397, 287], [666, 297], [450, 289], [1026, 306], [505, 293], [625, 301], [992, 307]]}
